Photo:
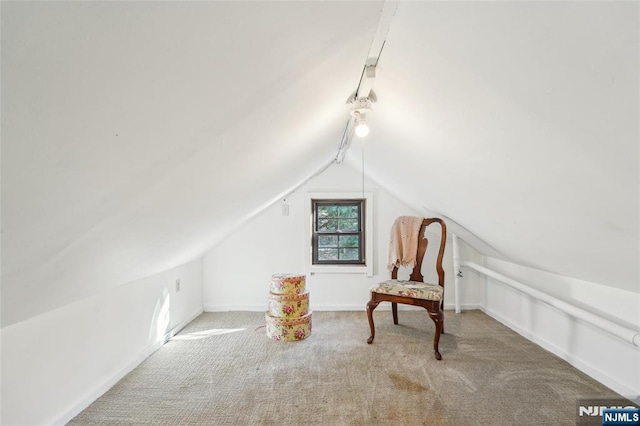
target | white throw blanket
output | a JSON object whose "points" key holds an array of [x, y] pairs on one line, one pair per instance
{"points": [[403, 243]]}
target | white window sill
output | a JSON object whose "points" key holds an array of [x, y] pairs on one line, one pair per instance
{"points": [[337, 269]]}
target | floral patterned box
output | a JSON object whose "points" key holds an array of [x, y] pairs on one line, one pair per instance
{"points": [[288, 305], [288, 329], [287, 284]]}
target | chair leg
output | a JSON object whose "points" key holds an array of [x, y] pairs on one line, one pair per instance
{"points": [[394, 310], [370, 307], [442, 310], [438, 319]]}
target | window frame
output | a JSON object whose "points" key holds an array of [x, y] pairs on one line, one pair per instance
{"points": [[360, 232], [346, 268]]}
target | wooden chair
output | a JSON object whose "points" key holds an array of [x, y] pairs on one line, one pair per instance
{"points": [[415, 291]]}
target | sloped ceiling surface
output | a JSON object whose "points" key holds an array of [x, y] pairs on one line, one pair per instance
{"points": [[136, 134], [519, 121]]}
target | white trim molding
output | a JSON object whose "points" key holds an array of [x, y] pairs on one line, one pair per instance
{"points": [[368, 234], [621, 331]]}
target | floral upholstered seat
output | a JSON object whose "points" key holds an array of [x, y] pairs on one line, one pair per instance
{"points": [[415, 289]]}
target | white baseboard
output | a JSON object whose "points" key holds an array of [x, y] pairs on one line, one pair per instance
{"points": [[118, 375], [263, 308], [586, 368], [233, 308], [463, 307], [175, 330], [361, 307]]}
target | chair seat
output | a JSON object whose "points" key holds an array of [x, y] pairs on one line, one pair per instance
{"points": [[414, 289]]}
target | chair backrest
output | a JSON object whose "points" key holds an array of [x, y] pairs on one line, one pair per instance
{"points": [[416, 274]]}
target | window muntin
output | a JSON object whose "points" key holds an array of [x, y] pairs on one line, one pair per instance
{"points": [[338, 232]]}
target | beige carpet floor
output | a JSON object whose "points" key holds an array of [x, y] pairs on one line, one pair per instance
{"points": [[223, 370]]}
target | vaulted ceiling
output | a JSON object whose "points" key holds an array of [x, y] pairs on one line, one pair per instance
{"points": [[136, 134]]}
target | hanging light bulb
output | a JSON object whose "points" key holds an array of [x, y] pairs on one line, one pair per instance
{"points": [[362, 128], [359, 112]]}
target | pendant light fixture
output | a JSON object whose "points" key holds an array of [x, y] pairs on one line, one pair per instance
{"points": [[359, 109]]}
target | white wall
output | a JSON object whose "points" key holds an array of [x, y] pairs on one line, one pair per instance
{"points": [[237, 273], [604, 357], [56, 364], [472, 291]]}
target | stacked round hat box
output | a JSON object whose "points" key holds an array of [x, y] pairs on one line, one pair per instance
{"points": [[288, 317]]}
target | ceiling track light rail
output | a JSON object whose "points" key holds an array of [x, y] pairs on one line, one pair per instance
{"points": [[363, 98]]}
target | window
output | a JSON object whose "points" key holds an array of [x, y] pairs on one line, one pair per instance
{"points": [[338, 232], [366, 253]]}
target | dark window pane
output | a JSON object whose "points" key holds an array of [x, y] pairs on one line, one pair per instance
{"points": [[327, 224], [349, 254], [348, 211], [327, 211], [327, 254], [327, 241], [338, 235], [349, 225], [349, 241]]}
